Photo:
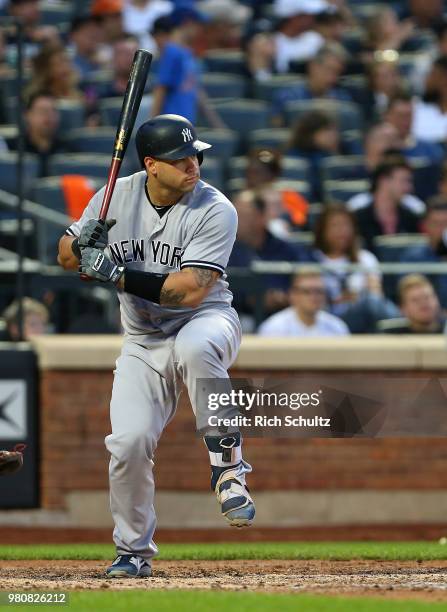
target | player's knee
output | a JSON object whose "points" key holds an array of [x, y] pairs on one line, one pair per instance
{"points": [[131, 446], [194, 350]]}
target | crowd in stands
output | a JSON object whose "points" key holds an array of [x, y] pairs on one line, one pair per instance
{"points": [[328, 120]]}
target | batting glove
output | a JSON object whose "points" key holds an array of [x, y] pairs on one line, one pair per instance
{"points": [[95, 233], [97, 266]]}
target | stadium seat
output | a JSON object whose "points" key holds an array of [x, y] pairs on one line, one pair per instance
{"points": [[225, 142], [301, 187], [243, 116], [54, 13], [95, 165], [426, 176], [211, 171], [72, 114], [91, 140], [342, 191], [347, 114], [234, 185], [301, 238], [390, 248], [8, 171], [274, 138], [343, 167], [110, 110], [224, 85], [352, 140], [265, 90], [223, 60], [236, 167], [48, 192], [294, 169], [99, 81]]}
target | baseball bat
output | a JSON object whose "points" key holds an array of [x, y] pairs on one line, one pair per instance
{"points": [[131, 103], [129, 110]]}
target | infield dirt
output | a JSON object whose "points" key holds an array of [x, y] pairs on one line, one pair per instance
{"points": [[398, 579]]}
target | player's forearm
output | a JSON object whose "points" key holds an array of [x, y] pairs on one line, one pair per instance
{"points": [[66, 257], [186, 288]]}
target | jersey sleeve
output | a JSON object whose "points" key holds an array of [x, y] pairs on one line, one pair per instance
{"points": [[91, 211], [213, 241]]}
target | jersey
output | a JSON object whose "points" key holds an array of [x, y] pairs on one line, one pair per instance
{"points": [[198, 231]]}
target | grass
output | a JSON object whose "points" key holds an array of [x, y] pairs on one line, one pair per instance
{"points": [[204, 601], [387, 551]]}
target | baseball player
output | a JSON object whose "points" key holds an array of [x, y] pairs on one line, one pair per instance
{"points": [[165, 249]]}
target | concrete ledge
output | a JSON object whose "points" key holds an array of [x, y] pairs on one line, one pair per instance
{"points": [[369, 352], [90, 509]]}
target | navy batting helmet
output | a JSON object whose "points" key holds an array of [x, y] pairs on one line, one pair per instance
{"points": [[168, 137]]}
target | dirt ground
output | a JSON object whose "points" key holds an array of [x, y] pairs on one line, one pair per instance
{"points": [[396, 580]]}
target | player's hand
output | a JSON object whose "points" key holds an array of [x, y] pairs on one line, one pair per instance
{"points": [[95, 233], [98, 266]]}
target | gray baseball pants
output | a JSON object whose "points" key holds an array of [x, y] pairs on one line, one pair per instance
{"points": [[147, 384]]}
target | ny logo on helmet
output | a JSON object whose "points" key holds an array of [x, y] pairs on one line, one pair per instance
{"points": [[187, 136]]}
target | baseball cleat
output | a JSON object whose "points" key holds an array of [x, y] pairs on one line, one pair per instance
{"points": [[129, 566], [234, 498]]}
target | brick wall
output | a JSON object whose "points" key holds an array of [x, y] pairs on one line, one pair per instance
{"points": [[74, 421]]}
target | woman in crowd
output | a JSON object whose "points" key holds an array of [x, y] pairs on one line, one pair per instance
{"points": [[355, 296], [55, 74]]}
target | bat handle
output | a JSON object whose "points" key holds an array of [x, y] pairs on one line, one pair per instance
{"points": [[111, 181]]}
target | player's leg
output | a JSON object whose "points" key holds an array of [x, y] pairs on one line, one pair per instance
{"points": [[204, 350], [142, 403]]}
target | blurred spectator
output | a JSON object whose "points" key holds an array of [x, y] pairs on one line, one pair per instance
{"points": [[330, 25], [356, 296], [139, 17], [259, 51], [420, 306], [124, 49], [430, 114], [109, 15], [380, 139], [41, 130], [384, 82], [35, 319], [384, 32], [442, 185], [160, 34], [295, 38], [286, 210], [314, 137], [84, 37], [305, 317], [54, 74], [323, 73], [400, 114], [389, 208], [35, 34], [225, 23], [255, 242], [434, 227], [427, 155], [5, 66], [426, 13], [178, 90]]}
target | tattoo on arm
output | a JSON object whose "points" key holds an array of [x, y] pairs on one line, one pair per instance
{"points": [[204, 276], [170, 297]]}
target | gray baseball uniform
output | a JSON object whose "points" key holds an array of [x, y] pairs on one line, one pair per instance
{"points": [[164, 346]]}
